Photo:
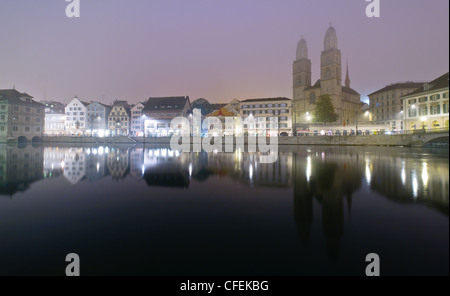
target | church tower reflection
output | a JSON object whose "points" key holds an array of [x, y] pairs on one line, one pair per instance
{"points": [[329, 179]]}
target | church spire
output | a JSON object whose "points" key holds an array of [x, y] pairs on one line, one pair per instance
{"points": [[347, 78]]}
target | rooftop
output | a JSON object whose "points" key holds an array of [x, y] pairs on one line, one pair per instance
{"points": [[266, 100], [398, 85], [172, 103], [438, 83]]}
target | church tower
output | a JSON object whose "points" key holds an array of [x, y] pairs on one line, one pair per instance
{"points": [[330, 70], [301, 79]]}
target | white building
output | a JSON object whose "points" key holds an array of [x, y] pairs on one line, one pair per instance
{"points": [[137, 120], [55, 119], [98, 119], [262, 110], [159, 113], [427, 107], [76, 117]]}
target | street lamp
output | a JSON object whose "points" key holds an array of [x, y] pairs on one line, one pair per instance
{"points": [[423, 119]]}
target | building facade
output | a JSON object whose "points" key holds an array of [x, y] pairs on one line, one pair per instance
{"points": [[21, 118], [137, 120], [427, 107], [76, 117], [55, 118], [346, 101], [262, 110], [97, 116], [119, 119], [386, 104], [159, 112]]}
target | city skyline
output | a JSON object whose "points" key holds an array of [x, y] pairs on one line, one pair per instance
{"points": [[217, 50]]}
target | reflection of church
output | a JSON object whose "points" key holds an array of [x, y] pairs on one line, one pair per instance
{"points": [[330, 182], [19, 167]]}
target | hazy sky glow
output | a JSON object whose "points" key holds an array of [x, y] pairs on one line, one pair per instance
{"points": [[215, 49]]}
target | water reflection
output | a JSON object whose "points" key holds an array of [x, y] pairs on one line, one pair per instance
{"points": [[324, 179], [19, 168]]}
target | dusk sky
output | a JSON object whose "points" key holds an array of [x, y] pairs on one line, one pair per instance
{"points": [[214, 49]]}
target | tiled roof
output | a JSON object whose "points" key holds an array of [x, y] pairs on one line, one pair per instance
{"points": [[350, 90], [400, 85], [163, 103], [13, 97], [438, 83]]}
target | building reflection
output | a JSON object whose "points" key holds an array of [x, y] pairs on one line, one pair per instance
{"points": [[74, 165], [19, 168], [329, 178], [54, 162], [118, 162], [408, 180], [164, 167], [96, 163]]}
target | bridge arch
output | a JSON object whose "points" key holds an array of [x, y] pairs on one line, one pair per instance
{"points": [[36, 139], [22, 140]]}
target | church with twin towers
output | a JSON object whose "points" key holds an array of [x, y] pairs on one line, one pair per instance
{"points": [[346, 101]]}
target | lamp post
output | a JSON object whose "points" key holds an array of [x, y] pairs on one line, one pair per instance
{"points": [[423, 119]]}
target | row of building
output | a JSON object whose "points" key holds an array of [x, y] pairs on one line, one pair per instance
{"points": [[396, 107]]}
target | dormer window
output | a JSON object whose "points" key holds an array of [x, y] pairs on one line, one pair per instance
{"points": [[426, 87]]}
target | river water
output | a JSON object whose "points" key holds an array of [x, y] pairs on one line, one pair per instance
{"points": [[153, 211]]}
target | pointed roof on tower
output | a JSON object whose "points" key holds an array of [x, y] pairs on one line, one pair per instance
{"points": [[347, 78]]}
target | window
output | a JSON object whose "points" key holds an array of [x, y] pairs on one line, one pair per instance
{"points": [[3, 107], [38, 129], [2, 128], [27, 129], [15, 128], [16, 108], [436, 109], [75, 113], [423, 110], [412, 112], [38, 119], [2, 117], [161, 125], [27, 109], [424, 99], [312, 98], [444, 96]]}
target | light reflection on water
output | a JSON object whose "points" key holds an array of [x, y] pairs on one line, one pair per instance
{"points": [[329, 192]]}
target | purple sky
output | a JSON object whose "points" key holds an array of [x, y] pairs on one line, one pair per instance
{"points": [[215, 49]]}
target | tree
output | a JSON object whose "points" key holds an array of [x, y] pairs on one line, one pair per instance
{"points": [[203, 105], [324, 111]]}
